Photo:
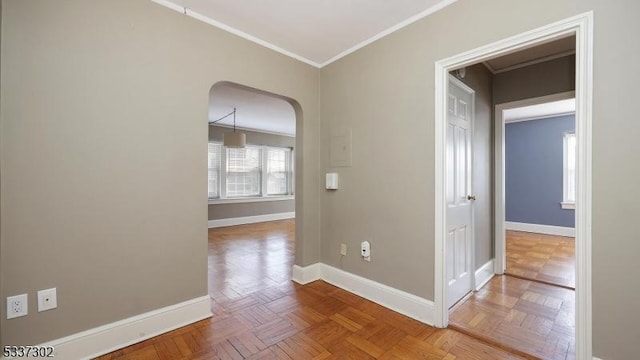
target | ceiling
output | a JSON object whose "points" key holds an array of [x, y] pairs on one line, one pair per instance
{"points": [[316, 32], [254, 110], [532, 55]]}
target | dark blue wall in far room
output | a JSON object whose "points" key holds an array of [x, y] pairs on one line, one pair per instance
{"points": [[533, 171]]}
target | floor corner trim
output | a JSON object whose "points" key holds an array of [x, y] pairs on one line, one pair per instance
{"points": [[541, 229], [101, 340], [413, 306], [304, 275], [484, 274]]}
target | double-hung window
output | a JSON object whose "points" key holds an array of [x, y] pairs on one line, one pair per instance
{"points": [[215, 153], [278, 163], [250, 172], [243, 172], [569, 172]]}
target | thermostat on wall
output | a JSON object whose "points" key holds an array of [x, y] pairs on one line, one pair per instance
{"points": [[332, 181]]}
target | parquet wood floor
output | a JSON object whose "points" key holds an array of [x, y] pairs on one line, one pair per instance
{"points": [[259, 313], [525, 316], [545, 258]]}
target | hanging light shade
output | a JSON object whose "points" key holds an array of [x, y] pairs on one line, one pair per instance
{"points": [[234, 140]]}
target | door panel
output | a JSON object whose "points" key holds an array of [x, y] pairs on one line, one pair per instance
{"points": [[459, 209]]}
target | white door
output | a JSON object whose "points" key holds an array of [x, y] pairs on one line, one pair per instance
{"points": [[459, 238]]}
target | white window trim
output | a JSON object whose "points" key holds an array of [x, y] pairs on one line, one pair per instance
{"points": [[222, 191], [566, 203]]}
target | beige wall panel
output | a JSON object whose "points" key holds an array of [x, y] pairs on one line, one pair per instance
{"points": [[549, 77], [385, 94], [104, 135]]}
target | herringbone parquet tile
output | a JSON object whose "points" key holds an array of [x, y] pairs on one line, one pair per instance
{"points": [[540, 257], [259, 313], [534, 318]]}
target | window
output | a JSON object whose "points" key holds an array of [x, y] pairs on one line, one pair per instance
{"points": [[251, 172], [214, 170], [569, 172], [278, 171], [243, 172]]}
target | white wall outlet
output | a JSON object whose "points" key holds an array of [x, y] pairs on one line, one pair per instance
{"points": [[365, 250], [47, 299], [17, 306], [343, 249]]}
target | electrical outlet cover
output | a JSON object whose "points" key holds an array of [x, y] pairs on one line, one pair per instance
{"points": [[17, 306], [47, 299]]}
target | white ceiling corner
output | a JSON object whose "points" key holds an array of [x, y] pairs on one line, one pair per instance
{"points": [[314, 32], [321, 32]]}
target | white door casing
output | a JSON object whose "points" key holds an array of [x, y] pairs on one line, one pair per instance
{"points": [[459, 240], [499, 171], [582, 26]]}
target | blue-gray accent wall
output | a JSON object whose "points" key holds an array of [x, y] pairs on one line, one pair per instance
{"points": [[533, 171]]}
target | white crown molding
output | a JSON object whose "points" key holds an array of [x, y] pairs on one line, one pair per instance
{"points": [[399, 301], [244, 35], [380, 35]]}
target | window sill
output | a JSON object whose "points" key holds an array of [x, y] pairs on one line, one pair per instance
{"points": [[568, 205], [250, 199]]}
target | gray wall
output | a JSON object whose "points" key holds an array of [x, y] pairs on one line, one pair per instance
{"points": [[104, 122], [549, 77], [385, 93], [534, 171], [480, 80], [226, 211], [100, 85]]}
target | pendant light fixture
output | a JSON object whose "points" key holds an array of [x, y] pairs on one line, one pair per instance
{"points": [[232, 139]]}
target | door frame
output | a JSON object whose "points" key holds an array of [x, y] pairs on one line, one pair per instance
{"points": [[499, 211], [582, 26]]}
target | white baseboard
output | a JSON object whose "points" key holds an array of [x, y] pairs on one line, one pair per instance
{"points": [[251, 219], [107, 338], [484, 274], [397, 300], [307, 274], [540, 229], [595, 358]]}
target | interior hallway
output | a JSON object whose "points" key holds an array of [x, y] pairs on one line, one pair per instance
{"points": [[259, 313], [545, 258], [532, 319], [531, 309]]}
